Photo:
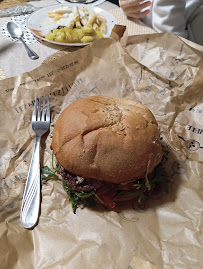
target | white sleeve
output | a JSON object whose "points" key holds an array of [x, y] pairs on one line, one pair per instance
{"points": [[169, 16]]}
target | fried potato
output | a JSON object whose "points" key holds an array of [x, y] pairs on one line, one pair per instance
{"points": [[84, 26]]}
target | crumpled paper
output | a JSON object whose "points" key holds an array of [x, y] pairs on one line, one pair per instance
{"points": [[164, 73]]}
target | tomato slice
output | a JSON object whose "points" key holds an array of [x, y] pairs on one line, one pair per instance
{"points": [[107, 195]]}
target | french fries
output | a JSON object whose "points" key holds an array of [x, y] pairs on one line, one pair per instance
{"points": [[78, 25]]}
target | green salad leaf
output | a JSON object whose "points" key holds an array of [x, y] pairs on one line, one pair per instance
{"points": [[158, 180], [47, 173], [77, 198]]}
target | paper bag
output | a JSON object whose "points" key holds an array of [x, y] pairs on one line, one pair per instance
{"points": [[159, 70]]}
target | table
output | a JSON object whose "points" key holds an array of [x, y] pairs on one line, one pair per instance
{"points": [[14, 60], [168, 234]]}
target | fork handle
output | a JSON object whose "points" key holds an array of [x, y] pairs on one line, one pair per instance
{"points": [[31, 198]]}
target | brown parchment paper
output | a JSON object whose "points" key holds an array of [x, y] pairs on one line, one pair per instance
{"points": [[164, 73]]}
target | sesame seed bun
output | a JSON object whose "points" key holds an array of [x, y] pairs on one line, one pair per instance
{"points": [[110, 139]]}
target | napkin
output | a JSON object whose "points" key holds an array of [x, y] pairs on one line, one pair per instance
{"points": [[17, 10]]}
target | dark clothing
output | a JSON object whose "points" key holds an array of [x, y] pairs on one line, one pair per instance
{"points": [[114, 2]]}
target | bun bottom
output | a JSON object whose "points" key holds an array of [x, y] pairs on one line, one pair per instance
{"points": [[122, 198]]}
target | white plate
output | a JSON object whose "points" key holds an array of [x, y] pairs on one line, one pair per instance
{"points": [[91, 3], [38, 18]]}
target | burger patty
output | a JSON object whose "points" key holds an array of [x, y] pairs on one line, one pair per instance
{"points": [[107, 193], [79, 184], [76, 184]]}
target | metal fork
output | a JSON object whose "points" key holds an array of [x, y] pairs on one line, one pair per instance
{"points": [[31, 198]]}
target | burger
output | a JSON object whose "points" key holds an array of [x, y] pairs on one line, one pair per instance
{"points": [[108, 150]]}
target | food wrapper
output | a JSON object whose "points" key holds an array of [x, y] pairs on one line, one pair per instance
{"points": [[166, 74]]}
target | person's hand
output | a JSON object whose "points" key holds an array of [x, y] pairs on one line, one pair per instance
{"points": [[132, 8]]}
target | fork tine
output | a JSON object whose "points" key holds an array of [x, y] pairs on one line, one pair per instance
{"points": [[48, 110], [43, 110], [39, 110], [34, 110]]}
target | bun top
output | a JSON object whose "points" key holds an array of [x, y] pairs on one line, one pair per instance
{"points": [[111, 139]]}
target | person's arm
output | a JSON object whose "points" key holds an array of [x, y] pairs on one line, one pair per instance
{"points": [[133, 8], [169, 16]]}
